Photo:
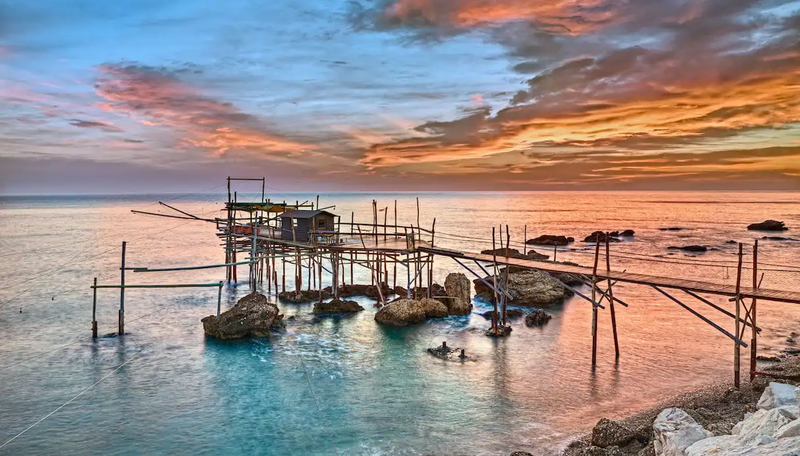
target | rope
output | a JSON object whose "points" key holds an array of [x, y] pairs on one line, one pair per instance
{"points": [[319, 409], [73, 398]]}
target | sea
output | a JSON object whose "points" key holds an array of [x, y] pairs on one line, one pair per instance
{"points": [[345, 385]]}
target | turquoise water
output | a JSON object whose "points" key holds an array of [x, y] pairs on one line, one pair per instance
{"points": [[345, 385]]}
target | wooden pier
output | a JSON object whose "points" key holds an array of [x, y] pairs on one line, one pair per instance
{"points": [[314, 244]]}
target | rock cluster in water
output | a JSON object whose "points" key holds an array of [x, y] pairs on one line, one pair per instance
{"points": [[549, 239], [537, 318], [768, 225], [514, 253], [690, 248], [253, 315]]}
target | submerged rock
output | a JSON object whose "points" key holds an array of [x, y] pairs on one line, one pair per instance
{"points": [[602, 237], [337, 306], [549, 239], [768, 225], [537, 318], [303, 296], [253, 315], [514, 253], [673, 228], [458, 288], [511, 314], [527, 289], [690, 248], [779, 238], [628, 233]]}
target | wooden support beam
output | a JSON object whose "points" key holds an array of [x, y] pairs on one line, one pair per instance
{"points": [[711, 304], [594, 296], [700, 316], [121, 329], [754, 328], [736, 350], [611, 298]]}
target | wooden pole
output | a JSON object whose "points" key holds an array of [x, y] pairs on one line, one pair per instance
{"points": [[319, 268], [418, 212], [611, 298], [754, 334], [94, 309], [494, 275], [594, 299], [505, 300], [219, 298], [394, 265], [122, 293], [736, 350], [385, 218], [525, 240]]}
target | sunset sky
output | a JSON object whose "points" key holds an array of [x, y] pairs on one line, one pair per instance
{"points": [[117, 96]]}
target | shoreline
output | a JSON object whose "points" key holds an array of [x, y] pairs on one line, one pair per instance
{"points": [[716, 406]]}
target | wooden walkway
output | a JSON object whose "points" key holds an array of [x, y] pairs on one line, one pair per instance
{"points": [[642, 279]]}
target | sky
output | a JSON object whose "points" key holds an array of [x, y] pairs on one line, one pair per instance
{"points": [[104, 96]]}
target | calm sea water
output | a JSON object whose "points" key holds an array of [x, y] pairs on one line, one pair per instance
{"points": [[345, 384]]}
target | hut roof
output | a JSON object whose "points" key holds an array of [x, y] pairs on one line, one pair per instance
{"points": [[301, 214]]}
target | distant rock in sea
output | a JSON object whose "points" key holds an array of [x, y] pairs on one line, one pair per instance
{"points": [[673, 228], [514, 253], [690, 248], [768, 225], [253, 315], [549, 239], [602, 237], [779, 238]]}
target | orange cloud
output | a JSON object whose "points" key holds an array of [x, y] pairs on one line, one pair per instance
{"points": [[157, 99]]}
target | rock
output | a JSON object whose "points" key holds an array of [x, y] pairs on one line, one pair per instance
{"points": [[527, 288], [372, 291], [303, 296], [253, 315], [673, 228], [777, 395], [538, 318], [549, 239], [434, 308], [400, 291], [779, 238], [514, 253], [336, 306], [628, 233], [767, 358], [521, 453], [511, 314], [601, 236], [690, 248], [608, 433], [502, 331], [346, 291], [792, 429], [674, 431], [731, 242], [768, 225], [566, 278], [457, 286], [762, 422], [402, 312]]}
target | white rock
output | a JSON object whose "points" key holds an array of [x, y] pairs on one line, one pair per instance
{"points": [[777, 395], [763, 422], [726, 445], [783, 447], [789, 430], [793, 410], [674, 431]]}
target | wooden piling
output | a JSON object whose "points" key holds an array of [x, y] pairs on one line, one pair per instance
{"points": [[736, 350], [94, 309], [594, 299], [122, 293], [611, 298], [754, 333], [494, 276]]}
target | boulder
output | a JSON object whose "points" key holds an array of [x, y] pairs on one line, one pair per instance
{"points": [[372, 291], [511, 314], [346, 291], [628, 233], [527, 288], [402, 312], [690, 248], [762, 422], [608, 433], [457, 286], [337, 306], [302, 296], [791, 429], [768, 225], [538, 318], [777, 395], [549, 239], [400, 291], [601, 236], [434, 308], [566, 278], [674, 431], [514, 253], [779, 238], [253, 315], [673, 228]]}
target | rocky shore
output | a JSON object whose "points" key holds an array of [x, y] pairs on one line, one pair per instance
{"points": [[760, 418]]}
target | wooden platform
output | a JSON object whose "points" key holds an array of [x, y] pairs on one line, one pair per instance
{"points": [[642, 279]]}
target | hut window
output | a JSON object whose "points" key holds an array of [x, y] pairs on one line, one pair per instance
{"points": [[294, 223], [321, 223]]}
